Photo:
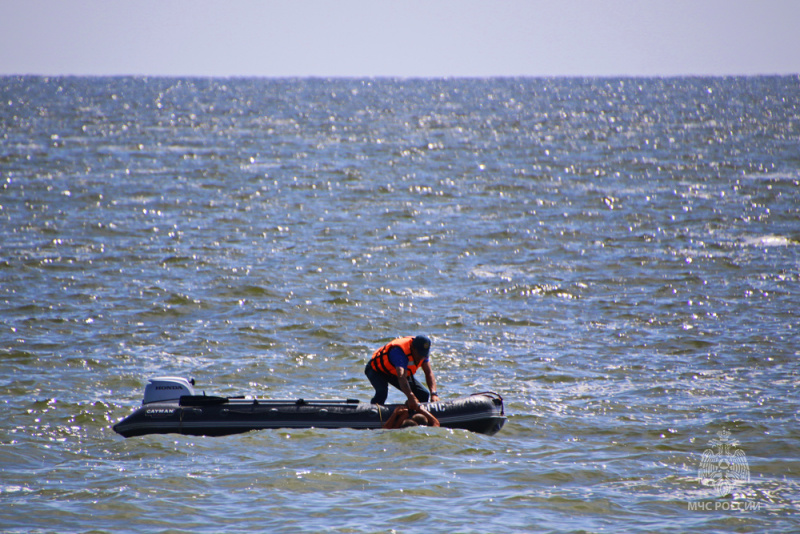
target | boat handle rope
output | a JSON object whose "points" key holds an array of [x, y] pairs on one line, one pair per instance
{"points": [[493, 395]]}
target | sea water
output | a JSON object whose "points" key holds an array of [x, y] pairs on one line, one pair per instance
{"points": [[618, 258]]}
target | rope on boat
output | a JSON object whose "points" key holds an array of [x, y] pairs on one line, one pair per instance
{"points": [[492, 395]]}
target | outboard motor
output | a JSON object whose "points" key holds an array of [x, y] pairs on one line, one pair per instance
{"points": [[167, 388]]}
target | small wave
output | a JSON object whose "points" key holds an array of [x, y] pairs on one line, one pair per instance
{"points": [[768, 241], [775, 176]]}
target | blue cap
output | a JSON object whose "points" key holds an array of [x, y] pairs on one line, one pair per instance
{"points": [[422, 345]]}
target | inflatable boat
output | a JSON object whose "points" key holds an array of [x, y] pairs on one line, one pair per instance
{"points": [[171, 406]]}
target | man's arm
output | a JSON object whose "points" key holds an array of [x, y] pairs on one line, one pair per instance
{"points": [[402, 381], [430, 378], [396, 419], [432, 421]]}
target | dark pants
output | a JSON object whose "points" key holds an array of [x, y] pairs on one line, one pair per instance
{"points": [[380, 381]]}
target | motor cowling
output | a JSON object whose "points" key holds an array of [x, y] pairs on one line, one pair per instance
{"points": [[167, 388]]}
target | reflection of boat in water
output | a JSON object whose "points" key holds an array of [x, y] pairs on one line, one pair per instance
{"points": [[170, 405]]}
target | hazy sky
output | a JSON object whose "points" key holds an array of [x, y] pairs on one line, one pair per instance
{"points": [[400, 37]]}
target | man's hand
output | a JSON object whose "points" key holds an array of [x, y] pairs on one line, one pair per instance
{"points": [[402, 380]]}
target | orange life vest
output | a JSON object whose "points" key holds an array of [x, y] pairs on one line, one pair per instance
{"points": [[380, 360]]}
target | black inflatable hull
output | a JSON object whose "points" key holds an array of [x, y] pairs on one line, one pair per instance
{"points": [[220, 416]]}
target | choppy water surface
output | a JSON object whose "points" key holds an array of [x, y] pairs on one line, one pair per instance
{"points": [[617, 258]]}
